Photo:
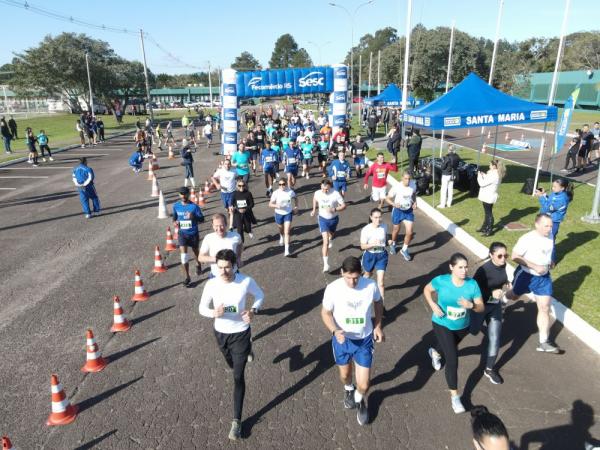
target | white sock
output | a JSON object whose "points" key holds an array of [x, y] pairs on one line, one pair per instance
{"points": [[357, 396], [325, 262], [287, 247], [185, 182], [404, 247], [193, 182], [543, 337], [349, 387]]}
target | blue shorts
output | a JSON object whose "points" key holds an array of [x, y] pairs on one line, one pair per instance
{"points": [[359, 160], [340, 186], [524, 283], [270, 170], [291, 169], [358, 350], [227, 198], [400, 215], [374, 261], [280, 218], [188, 240], [328, 224]]}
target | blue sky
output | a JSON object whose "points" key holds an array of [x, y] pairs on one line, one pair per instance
{"points": [[200, 31]]}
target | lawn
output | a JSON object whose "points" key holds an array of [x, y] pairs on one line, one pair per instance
{"points": [[578, 243]]}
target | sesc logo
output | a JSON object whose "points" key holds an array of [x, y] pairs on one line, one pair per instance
{"points": [[230, 138], [229, 90], [339, 97], [312, 79], [341, 73], [229, 114]]}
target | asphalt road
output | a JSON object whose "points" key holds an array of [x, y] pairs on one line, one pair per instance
{"points": [[167, 385]]}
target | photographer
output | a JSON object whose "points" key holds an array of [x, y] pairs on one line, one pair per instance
{"points": [[449, 176]]}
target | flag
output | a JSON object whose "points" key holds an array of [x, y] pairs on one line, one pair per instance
{"points": [[565, 120]]}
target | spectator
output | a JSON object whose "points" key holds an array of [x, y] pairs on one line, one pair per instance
{"points": [[83, 178], [79, 128], [385, 118], [414, 150], [6, 135], [372, 124], [488, 193], [43, 141], [555, 205], [572, 152], [585, 146], [489, 433], [100, 127], [449, 176], [31, 140], [12, 125], [596, 143], [394, 140]]}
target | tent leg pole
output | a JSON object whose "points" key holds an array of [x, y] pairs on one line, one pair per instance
{"points": [[433, 171], [442, 143], [479, 150], [553, 157], [495, 141], [539, 162]]}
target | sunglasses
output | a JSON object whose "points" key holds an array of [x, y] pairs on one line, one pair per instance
{"points": [[501, 255], [241, 185]]}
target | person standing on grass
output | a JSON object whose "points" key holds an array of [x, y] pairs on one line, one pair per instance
{"points": [[81, 132], [488, 194], [83, 178], [414, 150], [6, 135], [585, 147], [12, 126], [449, 173], [555, 205], [43, 141]]}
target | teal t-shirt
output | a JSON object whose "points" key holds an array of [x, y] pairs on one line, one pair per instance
{"points": [[307, 150], [285, 142], [243, 162], [324, 147], [456, 317]]}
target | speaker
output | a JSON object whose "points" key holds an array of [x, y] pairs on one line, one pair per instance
{"points": [[527, 186]]}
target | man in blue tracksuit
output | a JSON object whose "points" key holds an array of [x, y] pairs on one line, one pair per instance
{"points": [[340, 172], [83, 178], [136, 160]]}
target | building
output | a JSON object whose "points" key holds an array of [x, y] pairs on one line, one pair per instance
{"points": [[589, 94], [184, 94]]}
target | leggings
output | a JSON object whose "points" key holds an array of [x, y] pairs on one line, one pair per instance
{"points": [[189, 171], [493, 318], [44, 147], [235, 348], [448, 341]]}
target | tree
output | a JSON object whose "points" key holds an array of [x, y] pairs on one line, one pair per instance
{"points": [[301, 59], [368, 43], [246, 61], [287, 54]]}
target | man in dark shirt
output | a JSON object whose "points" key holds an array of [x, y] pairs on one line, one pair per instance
{"points": [[372, 124], [583, 156], [414, 150], [12, 125]]}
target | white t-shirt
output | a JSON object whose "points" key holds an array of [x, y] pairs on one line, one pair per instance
{"points": [[212, 243], [352, 308], [535, 248], [227, 179], [283, 200], [371, 235], [403, 195], [233, 298], [207, 130], [332, 199]]}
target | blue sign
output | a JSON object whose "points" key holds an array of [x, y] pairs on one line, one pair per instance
{"points": [[230, 114], [563, 128], [280, 82]]}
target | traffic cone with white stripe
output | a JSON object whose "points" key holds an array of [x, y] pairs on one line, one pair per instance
{"points": [[522, 136], [120, 322], [506, 137], [154, 193], [489, 134], [94, 360], [468, 132], [63, 412], [193, 195], [162, 207], [139, 293], [206, 188], [201, 201], [171, 154], [150, 170], [6, 444], [159, 265], [176, 232], [155, 165], [170, 245]]}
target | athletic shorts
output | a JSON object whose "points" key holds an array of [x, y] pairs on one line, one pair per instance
{"points": [[235, 346], [378, 193], [270, 171], [227, 198], [358, 350], [188, 240], [291, 169], [328, 224], [359, 161], [374, 261], [400, 215], [340, 186], [208, 136], [524, 283], [280, 218], [254, 155], [307, 161], [322, 158]]}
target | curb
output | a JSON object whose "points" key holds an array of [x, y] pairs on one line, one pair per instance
{"points": [[61, 149], [569, 319]]}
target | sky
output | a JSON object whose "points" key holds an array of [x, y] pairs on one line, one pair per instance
{"points": [[192, 33]]}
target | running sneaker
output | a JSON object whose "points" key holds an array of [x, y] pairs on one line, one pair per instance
{"points": [[392, 249], [30, 161], [187, 282], [362, 413], [307, 177], [494, 376], [36, 165], [251, 235], [286, 253], [43, 159], [236, 430], [457, 405], [547, 347], [349, 402], [51, 158], [325, 267], [405, 254], [280, 240], [436, 359], [250, 357], [198, 270], [87, 216]]}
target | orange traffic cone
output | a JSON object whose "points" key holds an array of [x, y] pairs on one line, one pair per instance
{"points": [[150, 171], [120, 322], [159, 265], [170, 245], [154, 193], [206, 188], [94, 360], [155, 165], [201, 200], [192, 195], [171, 154], [6, 444], [139, 293], [176, 231], [63, 412]]}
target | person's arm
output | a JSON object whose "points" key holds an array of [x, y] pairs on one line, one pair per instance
{"points": [[239, 248], [342, 204], [521, 260], [476, 305], [327, 318], [273, 201], [216, 181], [250, 200], [367, 175], [203, 256], [389, 199], [257, 293], [295, 200], [428, 292], [315, 203], [377, 321], [205, 301], [89, 178]]}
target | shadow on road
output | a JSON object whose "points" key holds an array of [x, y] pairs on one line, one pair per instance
{"points": [[90, 402], [94, 442], [116, 356]]}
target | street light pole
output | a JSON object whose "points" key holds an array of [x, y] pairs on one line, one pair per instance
{"points": [[87, 66], [210, 86], [146, 76], [319, 47]]}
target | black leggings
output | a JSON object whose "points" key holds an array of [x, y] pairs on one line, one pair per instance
{"points": [[488, 220], [236, 347], [448, 341]]}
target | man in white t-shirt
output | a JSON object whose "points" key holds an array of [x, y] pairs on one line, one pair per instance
{"points": [[403, 198], [219, 240], [329, 202], [281, 201], [228, 293], [225, 179], [533, 253], [348, 306], [207, 132]]}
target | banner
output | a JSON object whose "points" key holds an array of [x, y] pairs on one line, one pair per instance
{"points": [[281, 82], [563, 129]]}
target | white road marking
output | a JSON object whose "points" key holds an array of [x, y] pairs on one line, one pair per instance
{"points": [[7, 189], [37, 168], [15, 177]]}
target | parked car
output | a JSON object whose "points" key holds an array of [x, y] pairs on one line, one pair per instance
{"points": [[358, 100], [176, 105]]}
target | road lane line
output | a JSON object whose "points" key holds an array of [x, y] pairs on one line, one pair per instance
{"points": [[37, 168], [15, 177], [7, 189]]}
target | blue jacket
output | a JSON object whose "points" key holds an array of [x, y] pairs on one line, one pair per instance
{"points": [[83, 176], [555, 204], [337, 168], [136, 159]]}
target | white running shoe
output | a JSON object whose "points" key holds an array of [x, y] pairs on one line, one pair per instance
{"points": [[286, 253], [280, 240], [436, 359], [325, 267], [51, 158], [457, 405], [251, 235]]}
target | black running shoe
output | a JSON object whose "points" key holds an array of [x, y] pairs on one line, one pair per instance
{"points": [[349, 402], [362, 413], [187, 282], [494, 376]]}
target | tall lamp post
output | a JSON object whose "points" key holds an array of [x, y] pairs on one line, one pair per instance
{"points": [[319, 47], [351, 16], [87, 66]]}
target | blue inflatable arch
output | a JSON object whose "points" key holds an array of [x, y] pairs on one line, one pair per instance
{"points": [[277, 83]]}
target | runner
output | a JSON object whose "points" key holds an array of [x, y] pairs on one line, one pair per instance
{"points": [[241, 161], [348, 306], [220, 239], [340, 172], [282, 200], [403, 199], [457, 294], [533, 253], [291, 159], [359, 149], [224, 179], [493, 281], [252, 147], [187, 215], [187, 161], [269, 158], [323, 155], [379, 170], [228, 293], [307, 156], [329, 203], [373, 242], [207, 132], [243, 216]]}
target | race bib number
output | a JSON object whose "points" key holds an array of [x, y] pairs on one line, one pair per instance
{"points": [[230, 309], [359, 151], [355, 321], [185, 224], [269, 159], [291, 160], [454, 313], [381, 175], [284, 204], [259, 137], [242, 204], [377, 249], [405, 204], [325, 206], [341, 174]]}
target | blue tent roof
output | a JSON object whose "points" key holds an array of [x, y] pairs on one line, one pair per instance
{"points": [[474, 103], [390, 96]]}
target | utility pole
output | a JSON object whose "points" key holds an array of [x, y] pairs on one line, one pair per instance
{"points": [[146, 76], [378, 72], [370, 68], [87, 66], [210, 86]]}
